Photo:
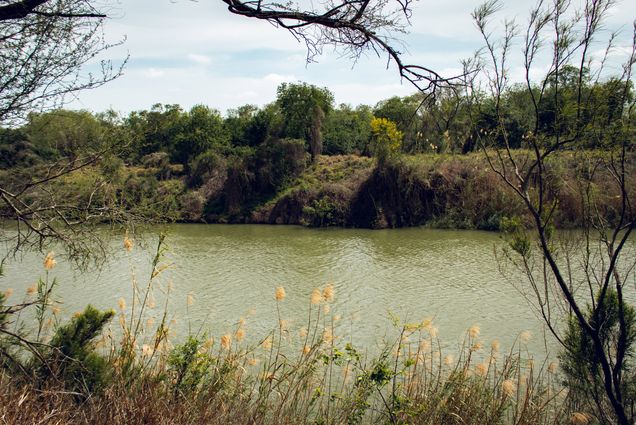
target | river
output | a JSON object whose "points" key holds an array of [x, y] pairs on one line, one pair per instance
{"points": [[231, 272]]}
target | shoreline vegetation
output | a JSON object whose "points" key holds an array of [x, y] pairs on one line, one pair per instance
{"points": [[443, 191], [303, 160], [125, 367]]}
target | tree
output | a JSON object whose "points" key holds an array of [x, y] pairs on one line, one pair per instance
{"points": [[238, 122], [386, 139], [44, 46], [582, 280], [315, 132], [266, 122], [64, 134], [303, 107], [444, 121], [347, 130], [154, 130], [403, 111], [15, 149], [201, 129]]}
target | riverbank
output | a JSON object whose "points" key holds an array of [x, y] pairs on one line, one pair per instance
{"points": [[432, 190], [436, 191]]}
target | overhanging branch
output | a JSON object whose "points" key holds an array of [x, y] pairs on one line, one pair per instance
{"points": [[356, 26]]}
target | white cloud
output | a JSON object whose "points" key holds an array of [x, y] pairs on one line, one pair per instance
{"points": [[247, 96], [200, 59], [278, 79], [185, 86], [247, 59], [368, 94], [155, 28], [153, 73]]}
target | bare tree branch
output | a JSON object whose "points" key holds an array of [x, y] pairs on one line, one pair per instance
{"points": [[357, 26]]}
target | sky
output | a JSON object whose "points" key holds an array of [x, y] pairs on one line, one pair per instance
{"points": [[196, 52]]}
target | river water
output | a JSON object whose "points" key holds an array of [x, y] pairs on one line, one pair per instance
{"points": [[231, 272]]}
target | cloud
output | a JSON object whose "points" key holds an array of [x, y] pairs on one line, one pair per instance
{"points": [[153, 73], [186, 86], [368, 94], [203, 54], [155, 29], [199, 59], [278, 79]]}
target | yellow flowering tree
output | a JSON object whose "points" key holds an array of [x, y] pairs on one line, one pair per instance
{"points": [[386, 139]]}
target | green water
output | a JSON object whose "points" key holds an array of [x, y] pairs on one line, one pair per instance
{"points": [[449, 276]]}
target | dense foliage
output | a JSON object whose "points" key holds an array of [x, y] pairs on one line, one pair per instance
{"points": [[268, 164]]}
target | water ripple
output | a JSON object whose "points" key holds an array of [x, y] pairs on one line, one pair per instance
{"points": [[413, 273]]}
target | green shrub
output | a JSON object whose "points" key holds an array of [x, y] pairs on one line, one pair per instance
{"points": [[320, 212], [579, 361], [112, 168], [71, 356], [188, 367], [192, 206]]}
